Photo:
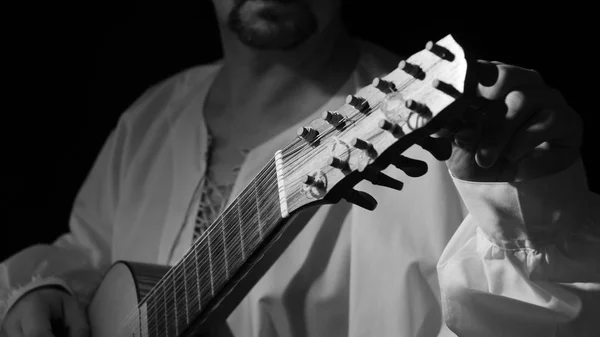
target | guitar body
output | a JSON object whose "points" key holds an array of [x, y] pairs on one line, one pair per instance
{"points": [[118, 296]]}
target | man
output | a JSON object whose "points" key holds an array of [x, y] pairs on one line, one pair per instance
{"points": [[350, 272]]}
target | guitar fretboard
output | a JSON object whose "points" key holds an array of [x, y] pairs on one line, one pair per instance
{"points": [[215, 256]]}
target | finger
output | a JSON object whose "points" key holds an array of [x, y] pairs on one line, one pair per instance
{"points": [[545, 128], [75, 319], [496, 79], [468, 137], [518, 107], [36, 323]]}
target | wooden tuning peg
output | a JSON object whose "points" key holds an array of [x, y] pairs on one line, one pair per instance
{"points": [[364, 145], [361, 199], [307, 133], [337, 163], [312, 181], [419, 108], [383, 85], [412, 167], [446, 88], [440, 51], [392, 128], [412, 69], [358, 103], [334, 118]]}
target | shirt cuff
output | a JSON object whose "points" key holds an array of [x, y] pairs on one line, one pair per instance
{"points": [[37, 282], [532, 212]]}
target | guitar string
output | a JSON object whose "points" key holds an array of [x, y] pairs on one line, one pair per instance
{"points": [[205, 262], [362, 116], [218, 257], [200, 241], [222, 257], [194, 302]]}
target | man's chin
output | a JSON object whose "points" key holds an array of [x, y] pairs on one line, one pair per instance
{"points": [[270, 39], [277, 27]]}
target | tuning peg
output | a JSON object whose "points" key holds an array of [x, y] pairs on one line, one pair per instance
{"points": [[358, 103], [412, 69], [446, 88], [337, 163], [333, 117], [382, 179], [364, 145], [392, 128], [412, 167], [440, 51], [419, 108], [383, 85], [440, 148], [312, 181], [361, 199], [307, 133]]}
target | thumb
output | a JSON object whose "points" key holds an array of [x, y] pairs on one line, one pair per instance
{"points": [[75, 318]]}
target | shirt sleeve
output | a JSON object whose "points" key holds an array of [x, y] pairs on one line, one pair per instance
{"points": [[77, 260], [526, 259]]}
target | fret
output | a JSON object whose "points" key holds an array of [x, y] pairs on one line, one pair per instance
{"points": [[161, 317], [205, 283], [170, 307], [191, 286], [152, 310], [248, 207], [218, 257], [219, 252], [181, 293], [232, 238], [268, 205], [240, 226], [197, 271], [210, 262], [258, 215], [222, 226]]}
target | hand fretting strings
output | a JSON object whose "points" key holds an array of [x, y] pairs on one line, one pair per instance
{"points": [[294, 154]]}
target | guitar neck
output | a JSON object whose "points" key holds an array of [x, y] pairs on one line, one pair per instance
{"points": [[332, 154], [220, 259]]}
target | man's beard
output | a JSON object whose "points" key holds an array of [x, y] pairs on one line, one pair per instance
{"points": [[276, 25]]}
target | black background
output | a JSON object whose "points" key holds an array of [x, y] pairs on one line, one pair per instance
{"points": [[72, 69]]}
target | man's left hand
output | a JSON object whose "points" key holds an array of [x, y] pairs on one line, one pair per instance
{"points": [[527, 129]]}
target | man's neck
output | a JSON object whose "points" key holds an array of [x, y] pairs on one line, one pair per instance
{"points": [[267, 80]]}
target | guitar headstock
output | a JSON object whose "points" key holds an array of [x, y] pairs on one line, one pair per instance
{"points": [[379, 122]]}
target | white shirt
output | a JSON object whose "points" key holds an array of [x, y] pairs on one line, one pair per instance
{"points": [[350, 272]]}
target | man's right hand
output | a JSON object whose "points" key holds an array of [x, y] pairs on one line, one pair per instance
{"points": [[45, 312]]}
